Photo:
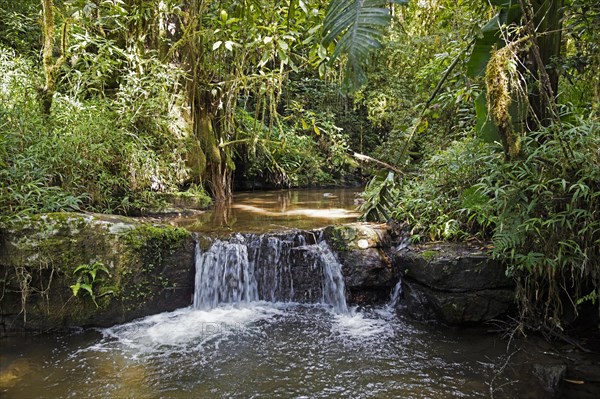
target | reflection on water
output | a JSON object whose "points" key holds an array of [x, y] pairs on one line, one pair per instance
{"points": [[259, 212], [261, 350]]}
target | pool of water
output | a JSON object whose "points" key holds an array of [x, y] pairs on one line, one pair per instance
{"points": [[260, 212], [258, 350]]}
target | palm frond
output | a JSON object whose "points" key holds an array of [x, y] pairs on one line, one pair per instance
{"points": [[357, 27]]}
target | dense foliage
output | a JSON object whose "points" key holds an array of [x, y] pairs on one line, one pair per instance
{"points": [[106, 105], [506, 151]]}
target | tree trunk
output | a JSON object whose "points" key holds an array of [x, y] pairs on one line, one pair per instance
{"points": [[51, 66], [215, 166], [47, 91], [547, 22], [217, 173]]}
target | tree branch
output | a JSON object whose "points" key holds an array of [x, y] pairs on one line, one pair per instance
{"points": [[366, 158]]}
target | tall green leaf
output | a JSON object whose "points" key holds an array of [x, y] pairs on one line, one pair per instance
{"points": [[357, 27], [491, 35], [486, 129]]}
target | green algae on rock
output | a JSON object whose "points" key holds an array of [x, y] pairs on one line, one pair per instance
{"points": [[149, 268]]}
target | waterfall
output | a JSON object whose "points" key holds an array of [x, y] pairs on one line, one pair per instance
{"points": [[278, 267], [333, 281], [224, 274], [395, 296]]}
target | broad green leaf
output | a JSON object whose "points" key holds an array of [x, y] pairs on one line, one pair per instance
{"points": [[265, 58], [486, 129], [87, 288], [80, 267], [322, 52], [490, 36], [357, 27], [303, 7]]}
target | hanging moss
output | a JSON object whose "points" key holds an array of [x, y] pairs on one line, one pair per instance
{"points": [[502, 86], [196, 161], [208, 142]]}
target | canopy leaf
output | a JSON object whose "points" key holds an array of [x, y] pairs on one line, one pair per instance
{"points": [[357, 27]]}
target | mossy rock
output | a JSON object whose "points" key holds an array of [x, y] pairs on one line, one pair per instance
{"points": [[357, 236], [138, 269], [196, 200], [452, 267]]}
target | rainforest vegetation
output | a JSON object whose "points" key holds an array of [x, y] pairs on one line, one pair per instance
{"points": [[467, 120]]}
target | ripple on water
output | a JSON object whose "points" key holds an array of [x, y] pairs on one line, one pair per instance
{"points": [[266, 350]]}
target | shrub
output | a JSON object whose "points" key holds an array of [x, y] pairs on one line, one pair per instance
{"points": [[548, 224], [441, 201]]}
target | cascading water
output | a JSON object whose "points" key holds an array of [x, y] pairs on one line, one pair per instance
{"points": [[284, 267], [395, 296], [397, 291], [224, 274], [333, 281]]}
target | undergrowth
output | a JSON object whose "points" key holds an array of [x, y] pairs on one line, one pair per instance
{"points": [[539, 213]]}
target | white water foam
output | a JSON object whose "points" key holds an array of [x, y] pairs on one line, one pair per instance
{"points": [[187, 328], [361, 327]]}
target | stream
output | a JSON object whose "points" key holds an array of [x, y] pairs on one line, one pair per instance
{"points": [[257, 349], [248, 336], [264, 211]]}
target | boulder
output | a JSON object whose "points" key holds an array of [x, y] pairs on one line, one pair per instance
{"points": [[357, 236], [455, 307], [453, 267], [453, 283], [361, 249], [67, 269]]}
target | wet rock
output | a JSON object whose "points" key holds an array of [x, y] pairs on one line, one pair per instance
{"points": [[285, 266], [124, 269], [368, 268], [307, 275], [453, 267], [550, 376], [453, 283], [425, 303], [361, 249]]}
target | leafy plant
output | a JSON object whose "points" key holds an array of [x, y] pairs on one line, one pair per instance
{"points": [[442, 201], [380, 195], [86, 278], [357, 26], [547, 227]]}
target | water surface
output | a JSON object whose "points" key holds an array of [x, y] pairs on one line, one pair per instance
{"points": [[257, 350], [263, 211]]}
